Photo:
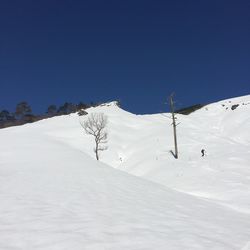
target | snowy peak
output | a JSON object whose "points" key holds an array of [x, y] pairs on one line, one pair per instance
{"points": [[110, 104], [232, 104]]}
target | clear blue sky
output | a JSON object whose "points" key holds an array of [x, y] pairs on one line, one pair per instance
{"points": [[136, 51]]}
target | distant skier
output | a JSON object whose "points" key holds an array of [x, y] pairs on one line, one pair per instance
{"points": [[202, 152]]}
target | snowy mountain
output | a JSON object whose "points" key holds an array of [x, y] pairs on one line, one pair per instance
{"points": [[54, 194]]}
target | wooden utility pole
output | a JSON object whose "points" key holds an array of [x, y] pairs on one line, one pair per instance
{"points": [[171, 103]]}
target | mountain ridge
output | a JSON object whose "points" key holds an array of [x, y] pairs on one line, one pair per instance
{"points": [[55, 195]]}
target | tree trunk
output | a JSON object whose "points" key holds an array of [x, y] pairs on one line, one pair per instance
{"points": [[96, 151]]}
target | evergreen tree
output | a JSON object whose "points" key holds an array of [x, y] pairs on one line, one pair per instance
{"points": [[5, 116], [82, 105], [51, 110], [22, 109], [67, 108]]}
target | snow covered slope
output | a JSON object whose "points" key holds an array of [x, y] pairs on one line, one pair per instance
{"points": [[55, 195]]}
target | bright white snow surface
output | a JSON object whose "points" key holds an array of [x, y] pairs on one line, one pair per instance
{"points": [[54, 195]]}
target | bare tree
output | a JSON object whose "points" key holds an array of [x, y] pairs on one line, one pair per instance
{"points": [[96, 125]]}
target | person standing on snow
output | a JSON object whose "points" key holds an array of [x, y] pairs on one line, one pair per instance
{"points": [[202, 152]]}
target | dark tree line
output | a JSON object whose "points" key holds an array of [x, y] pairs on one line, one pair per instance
{"points": [[23, 113]]}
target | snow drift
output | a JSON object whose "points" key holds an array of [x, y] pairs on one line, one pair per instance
{"points": [[55, 195]]}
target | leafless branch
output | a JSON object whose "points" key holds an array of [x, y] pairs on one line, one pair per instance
{"points": [[96, 125]]}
